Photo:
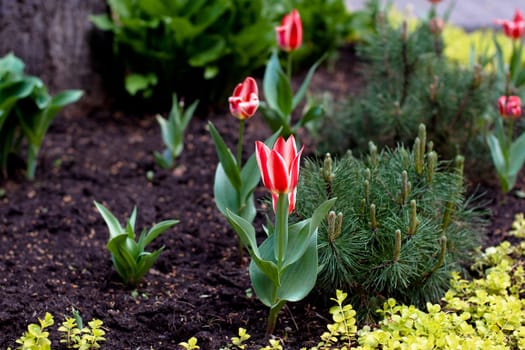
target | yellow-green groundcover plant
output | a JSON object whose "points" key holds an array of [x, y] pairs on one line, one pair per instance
{"points": [[484, 313]]}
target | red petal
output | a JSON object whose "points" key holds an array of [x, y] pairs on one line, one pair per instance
{"points": [[262, 153], [294, 170], [278, 171]]}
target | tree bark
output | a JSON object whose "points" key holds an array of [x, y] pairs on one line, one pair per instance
{"points": [[54, 39]]}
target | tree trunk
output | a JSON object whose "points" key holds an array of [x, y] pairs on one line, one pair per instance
{"points": [[53, 38]]}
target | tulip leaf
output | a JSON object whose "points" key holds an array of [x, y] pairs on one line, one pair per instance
{"points": [[226, 196], [246, 233], [313, 113], [299, 234], [517, 155], [111, 221], [306, 82], [299, 278], [497, 154], [226, 158], [277, 88], [274, 119]]}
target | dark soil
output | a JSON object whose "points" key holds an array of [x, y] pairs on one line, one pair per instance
{"points": [[52, 240]]}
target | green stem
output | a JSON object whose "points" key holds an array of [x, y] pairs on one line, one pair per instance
{"points": [[289, 66], [272, 317], [281, 229], [240, 204], [239, 144]]}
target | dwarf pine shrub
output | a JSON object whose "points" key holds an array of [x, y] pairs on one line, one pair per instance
{"points": [[400, 225], [407, 81]]}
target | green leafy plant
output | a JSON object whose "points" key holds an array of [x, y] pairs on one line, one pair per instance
{"points": [[172, 130], [130, 259], [283, 267], [26, 112], [77, 336], [74, 334], [197, 49], [37, 336], [408, 81], [400, 224], [191, 344]]}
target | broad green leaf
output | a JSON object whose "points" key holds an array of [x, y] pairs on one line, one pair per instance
{"points": [[102, 22], [299, 278], [122, 7], [226, 158], [306, 82], [12, 64], [301, 232], [138, 82], [273, 118], [111, 221], [517, 155], [65, 97], [277, 88], [314, 113], [158, 229], [497, 155], [226, 197], [246, 233], [154, 8], [215, 48]]}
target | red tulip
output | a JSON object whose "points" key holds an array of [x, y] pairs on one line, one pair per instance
{"points": [[290, 32], [509, 106], [513, 29], [245, 99], [279, 168], [435, 1]]}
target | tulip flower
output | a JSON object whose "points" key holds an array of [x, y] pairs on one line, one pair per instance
{"points": [[435, 1], [290, 32], [508, 154], [279, 168], [245, 99], [284, 266], [509, 106], [513, 29]]}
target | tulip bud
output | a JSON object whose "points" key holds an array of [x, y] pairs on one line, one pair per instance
{"points": [[245, 99], [290, 32], [513, 29], [509, 106]]}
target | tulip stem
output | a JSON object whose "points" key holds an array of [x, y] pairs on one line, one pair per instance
{"points": [[289, 66], [239, 144], [281, 228], [240, 204]]}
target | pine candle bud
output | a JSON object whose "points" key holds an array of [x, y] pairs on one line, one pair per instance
{"points": [[432, 164], [413, 224], [364, 257], [326, 170], [397, 247], [405, 187], [373, 220], [373, 153], [418, 157], [423, 142]]}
